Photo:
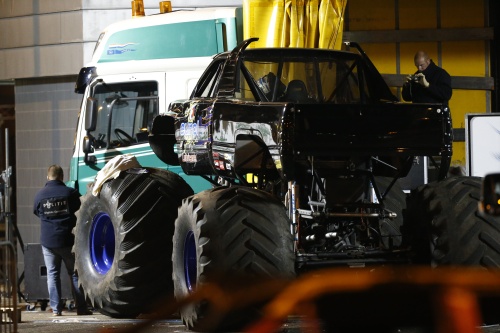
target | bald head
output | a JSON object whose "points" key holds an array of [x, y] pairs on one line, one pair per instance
{"points": [[55, 172], [421, 60]]}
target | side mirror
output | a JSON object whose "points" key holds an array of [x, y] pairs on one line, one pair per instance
{"points": [[490, 195], [87, 149], [84, 78], [91, 114], [87, 145]]}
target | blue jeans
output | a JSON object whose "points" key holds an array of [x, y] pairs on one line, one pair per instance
{"points": [[53, 259]]}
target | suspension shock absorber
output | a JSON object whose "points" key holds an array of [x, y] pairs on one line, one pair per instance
{"points": [[372, 194], [293, 203]]}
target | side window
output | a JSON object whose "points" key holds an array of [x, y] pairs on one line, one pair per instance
{"points": [[207, 84], [301, 82], [243, 90], [125, 113], [345, 86], [261, 77]]}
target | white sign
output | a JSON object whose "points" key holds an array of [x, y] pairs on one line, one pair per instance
{"points": [[483, 144]]}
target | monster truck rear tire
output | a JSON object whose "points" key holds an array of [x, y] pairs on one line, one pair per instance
{"points": [[123, 241], [230, 232], [445, 227]]}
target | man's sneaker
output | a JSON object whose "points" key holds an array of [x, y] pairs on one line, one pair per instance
{"points": [[84, 313], [56, 314]]}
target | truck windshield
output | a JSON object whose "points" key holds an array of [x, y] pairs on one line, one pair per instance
{"points": [[125, 113], [317, 81]]}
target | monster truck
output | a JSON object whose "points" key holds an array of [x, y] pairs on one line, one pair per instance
{"points": [[304, 148]]}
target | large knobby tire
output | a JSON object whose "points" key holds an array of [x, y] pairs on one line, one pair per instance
{"points": [[446, 229], [229, 232], [123, 241]]}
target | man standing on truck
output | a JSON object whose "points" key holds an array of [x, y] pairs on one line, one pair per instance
{"points": [[429, 84], [55, 205]]}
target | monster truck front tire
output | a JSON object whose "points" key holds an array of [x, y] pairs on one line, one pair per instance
{"points": [[445, 228], [123, 241], [229, 232]]}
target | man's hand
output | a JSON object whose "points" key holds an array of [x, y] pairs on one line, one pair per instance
{"points": [[422, 80]]}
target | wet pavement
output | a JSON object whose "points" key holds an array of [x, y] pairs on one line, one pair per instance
{"points": [[38, 321], [384, 300]]}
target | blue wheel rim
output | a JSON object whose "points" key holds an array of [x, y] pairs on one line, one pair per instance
{"points": [[102, 243], [190, 263]]}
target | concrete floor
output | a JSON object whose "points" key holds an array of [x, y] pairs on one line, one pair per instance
{"points": [[389, 307], [43, 321], [38, 321]]}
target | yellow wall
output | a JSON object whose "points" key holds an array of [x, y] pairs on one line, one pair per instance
{"points": [[459, 58]]}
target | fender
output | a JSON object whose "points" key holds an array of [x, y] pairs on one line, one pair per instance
{"points": [[162, 139]]}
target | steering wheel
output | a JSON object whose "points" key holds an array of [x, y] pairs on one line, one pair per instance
{"points": [[123, 137]]}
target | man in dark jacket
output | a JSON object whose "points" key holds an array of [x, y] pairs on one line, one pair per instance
{"points": [[429, 84], [56, 205]]}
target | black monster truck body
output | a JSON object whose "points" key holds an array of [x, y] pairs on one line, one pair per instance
{"points": [[318, 129], [304, 148]]}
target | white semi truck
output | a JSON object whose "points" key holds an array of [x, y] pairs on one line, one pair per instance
{"points": [[123, 236]]}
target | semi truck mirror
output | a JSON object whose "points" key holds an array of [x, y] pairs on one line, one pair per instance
{"points": [[87, 149], [91, 114], [490, 195], [84, 78]]}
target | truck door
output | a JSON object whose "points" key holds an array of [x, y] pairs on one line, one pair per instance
{"points": [[126, 107]]}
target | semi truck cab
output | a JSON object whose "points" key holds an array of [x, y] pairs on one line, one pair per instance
{"points": [[138, 66]]}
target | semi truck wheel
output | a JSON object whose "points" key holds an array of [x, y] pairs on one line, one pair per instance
{"points": [[123, 241], [446, 226], [229, 232]]}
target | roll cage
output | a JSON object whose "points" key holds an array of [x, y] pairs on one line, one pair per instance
{"points": [[264, 75]]}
